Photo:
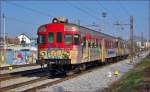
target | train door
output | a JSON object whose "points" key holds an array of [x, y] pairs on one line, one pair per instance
{"points": [[55, 39], [55, 33]]}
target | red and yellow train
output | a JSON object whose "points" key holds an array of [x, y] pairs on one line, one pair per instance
{"points": [[63, 46]]}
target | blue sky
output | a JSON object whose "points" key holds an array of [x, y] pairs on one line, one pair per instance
{"points": [[26, 16]]}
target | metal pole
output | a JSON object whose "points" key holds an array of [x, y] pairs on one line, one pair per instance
{"points": [[131, 43], [104, 16], [4, 55], [0, 34], [131, 38], [149, 22], [142, 40], [78, 22], [4, 32], [0, 19]]}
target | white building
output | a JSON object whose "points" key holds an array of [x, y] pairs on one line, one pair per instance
{"points": [[25, 38], [147, 44]]}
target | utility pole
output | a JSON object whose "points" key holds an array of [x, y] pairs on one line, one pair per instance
{"points": [[0, 33], [78, 22], [4, 32], [131, 36], [142, 40], [149, 21], [0, 21], [104, 16]]}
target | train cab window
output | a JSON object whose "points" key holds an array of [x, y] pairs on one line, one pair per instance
{"points": [[42, 39], [76, 39], [68, 39], [50, 37], [59, 37]]}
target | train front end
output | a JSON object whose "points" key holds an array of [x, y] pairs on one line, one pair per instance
{"points": [[51, 46], [57, 45]]}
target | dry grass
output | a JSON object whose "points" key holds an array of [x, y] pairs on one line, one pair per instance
{"points": [[136, 80]]}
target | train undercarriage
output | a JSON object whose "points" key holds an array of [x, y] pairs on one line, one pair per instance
{"points": [[54, 67]]}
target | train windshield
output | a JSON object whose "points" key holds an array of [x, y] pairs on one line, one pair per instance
{"points": [[42, 39], [50, 37], [59, 37], [68, 39], [76, 39]]}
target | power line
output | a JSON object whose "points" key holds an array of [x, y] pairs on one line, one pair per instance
{"points": [[87, 8], [90, 10], [123, 8], [30, 9], [84, 11], [99, 4], [18, 20]]}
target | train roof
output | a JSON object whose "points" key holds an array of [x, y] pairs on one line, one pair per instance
{"points": [[86, 29], [91, 31]]}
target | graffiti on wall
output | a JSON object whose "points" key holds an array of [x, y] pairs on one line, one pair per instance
{"points": [[21, 57]]}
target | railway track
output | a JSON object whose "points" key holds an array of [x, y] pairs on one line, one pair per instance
{"points": [[78, 73], [42, 81], [22, 84], [48, 81], [15, 75]]}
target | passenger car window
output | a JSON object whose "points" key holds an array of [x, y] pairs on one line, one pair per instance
{"points": [[68, 39], [76, 39]]}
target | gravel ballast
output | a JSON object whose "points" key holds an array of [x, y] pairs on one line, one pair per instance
{"points": [[97, 79]]}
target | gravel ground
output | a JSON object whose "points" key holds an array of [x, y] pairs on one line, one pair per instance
{"points": [[97, 79]]}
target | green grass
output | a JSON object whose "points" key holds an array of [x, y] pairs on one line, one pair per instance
{"points": [[132, 81]]}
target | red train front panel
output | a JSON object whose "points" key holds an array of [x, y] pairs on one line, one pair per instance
{"points": [[58, 44]]}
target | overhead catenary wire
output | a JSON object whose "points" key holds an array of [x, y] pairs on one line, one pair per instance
{"points": [[83, 11], [113, 16], [19, 20], [90, 10], [30, 9], [124, 8], [86, 7]]}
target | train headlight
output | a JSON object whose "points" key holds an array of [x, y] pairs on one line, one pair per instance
{"points": [[42, 54]]}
